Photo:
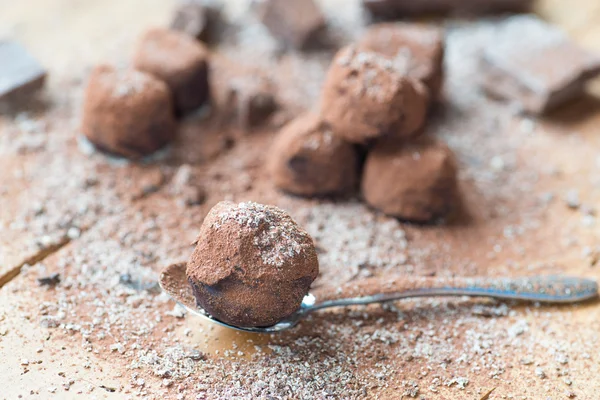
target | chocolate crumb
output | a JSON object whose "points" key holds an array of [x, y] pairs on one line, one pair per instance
{"points": [[50, 280]]}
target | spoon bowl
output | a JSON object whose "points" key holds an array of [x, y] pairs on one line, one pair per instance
{"points": [[549, 289]]}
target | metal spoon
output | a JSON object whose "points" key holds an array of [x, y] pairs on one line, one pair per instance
{"points": [[550, 289]]}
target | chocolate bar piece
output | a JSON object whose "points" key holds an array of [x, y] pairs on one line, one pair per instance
{"points": [[535, 65], [391, 9], [294, 23], [197, 18], [20, 73]]}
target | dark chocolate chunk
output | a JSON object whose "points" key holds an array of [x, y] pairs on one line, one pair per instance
{"points": [[535, 65], [197, 18], [295, 23], [391, 9], [20, 73]]}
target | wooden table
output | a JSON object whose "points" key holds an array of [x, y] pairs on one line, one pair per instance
{"points": [[69, 36]]}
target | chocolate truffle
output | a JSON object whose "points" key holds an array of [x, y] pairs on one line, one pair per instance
{"points": [[417, 50], [365, 97], [180, 61], [535, 65], [128, 113], [252, 264], [308, 159], [413, 181], [294, 23]]}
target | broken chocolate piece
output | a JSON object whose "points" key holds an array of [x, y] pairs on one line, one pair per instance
{"points": [[535, 65], [20, 73], [417, 50], [252, 264], [307, 159], [180, 61], [392, 9], [50, 280], [295, 23], [196, 18], [364, 97]]}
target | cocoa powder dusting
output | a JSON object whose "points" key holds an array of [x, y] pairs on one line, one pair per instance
{"points": [[105, 329]]}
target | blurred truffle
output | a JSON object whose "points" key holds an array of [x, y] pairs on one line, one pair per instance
{"points": [[128, 113], [413, 181], [364, 97], [308, 159], [180, 61]]}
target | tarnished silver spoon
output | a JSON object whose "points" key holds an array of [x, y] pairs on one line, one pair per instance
{"points": [[549, 289]]}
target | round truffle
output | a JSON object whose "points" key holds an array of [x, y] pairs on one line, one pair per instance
{"points": [[128, 113], [180, 61], [252, 264], [416, 50], [307, 159], [412, 181], [365, 97]]}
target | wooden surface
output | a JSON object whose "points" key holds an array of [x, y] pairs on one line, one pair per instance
{"points": [[69, 36]]}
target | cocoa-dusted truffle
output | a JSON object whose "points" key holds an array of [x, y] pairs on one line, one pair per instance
{"points": [[128, 112], [365, 97], [308, 159], [294, 23], [416, 50], [252, 264], [179, 60], [412, 181]]}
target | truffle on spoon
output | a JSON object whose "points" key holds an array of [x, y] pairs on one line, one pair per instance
{"points": [[252, 264]]}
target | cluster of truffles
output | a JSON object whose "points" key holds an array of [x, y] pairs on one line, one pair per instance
{"points": [[136, 111], [375, 100], [133, 112], [252, 264]]}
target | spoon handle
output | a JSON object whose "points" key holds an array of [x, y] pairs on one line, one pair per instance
{"points": [[546, 289]]}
